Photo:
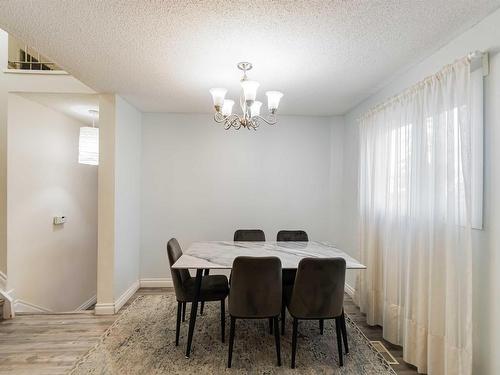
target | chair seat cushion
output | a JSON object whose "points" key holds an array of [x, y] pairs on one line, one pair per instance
{"points": [[213, 288]]}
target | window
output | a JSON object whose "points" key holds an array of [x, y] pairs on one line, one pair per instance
{"points": [[440, 142]]}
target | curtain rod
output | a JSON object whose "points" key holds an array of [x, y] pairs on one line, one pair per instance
{"points": [[478, 59]]}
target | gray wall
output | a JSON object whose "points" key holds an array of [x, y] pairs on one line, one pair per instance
{"points": [[200, 182]]}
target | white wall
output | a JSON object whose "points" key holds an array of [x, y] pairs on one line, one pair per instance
{"points": [[16, 81], [200, 182], [53, 267], [119, 203], [336, 218], [127, 196], [485, 36]]}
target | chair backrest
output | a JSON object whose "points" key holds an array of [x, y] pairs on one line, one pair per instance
{"points": [[255, 287], [179, 276], [292, 235], [245, 235], [318, 291]]}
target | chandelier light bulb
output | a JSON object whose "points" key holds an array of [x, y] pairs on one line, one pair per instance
{"points": [[273, 99], [249, 89], [227, 107], [255, 108], [218, 95]]}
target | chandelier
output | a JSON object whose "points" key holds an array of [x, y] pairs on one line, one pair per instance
{"points": [[251, 118]]}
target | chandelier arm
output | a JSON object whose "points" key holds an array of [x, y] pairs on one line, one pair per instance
{"points": [[272, 120], [219, 117], [253, 124], [228, 123], [239, 123], [233, 121]]}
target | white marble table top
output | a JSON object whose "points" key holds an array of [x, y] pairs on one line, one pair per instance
{"points": [[221, 254]]}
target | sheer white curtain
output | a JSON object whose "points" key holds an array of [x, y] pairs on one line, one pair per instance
{"points": [[415, 211]]}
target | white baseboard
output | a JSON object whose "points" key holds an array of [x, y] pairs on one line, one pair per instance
{"points": [[113, 308], [84, 306], [126, 295], [158, 282], [349, 290], [28, 307], [104, 309]]}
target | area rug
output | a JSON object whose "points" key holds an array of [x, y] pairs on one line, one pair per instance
{"points": [[141, 341]]}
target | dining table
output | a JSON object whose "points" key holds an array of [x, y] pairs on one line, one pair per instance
{"points": [[219, 255]]}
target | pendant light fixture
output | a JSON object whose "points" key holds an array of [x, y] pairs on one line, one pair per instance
{"points": [[88, 145]]}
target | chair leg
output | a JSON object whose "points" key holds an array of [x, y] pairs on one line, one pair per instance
{"points": [[270, 326], [283, 318], [277, 339], [294, 340], [231, 341], [321, 326], [222, 319], [338, 323], [206, 273], [183, 311], [178, 323], [344, 333]]}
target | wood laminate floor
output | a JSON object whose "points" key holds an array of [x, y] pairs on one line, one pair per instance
{"points": [[52, 343]]}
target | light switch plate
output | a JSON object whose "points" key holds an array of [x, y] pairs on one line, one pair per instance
{"points": [[58, 220]]}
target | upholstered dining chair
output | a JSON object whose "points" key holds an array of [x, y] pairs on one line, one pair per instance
{"points": [[289, 275], [251, 235], [317, 294], [213, 288], [292, 235], [247, 235], [252, 297]]}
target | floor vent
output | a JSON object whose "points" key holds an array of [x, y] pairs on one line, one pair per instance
{"points": [[379, 346]]}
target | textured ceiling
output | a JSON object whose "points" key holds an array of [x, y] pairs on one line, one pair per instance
{"points": [[326, 56]]}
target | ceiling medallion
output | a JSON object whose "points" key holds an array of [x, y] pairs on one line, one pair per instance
{"points": [[251, 118]]}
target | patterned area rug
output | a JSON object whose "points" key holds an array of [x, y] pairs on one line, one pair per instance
{"points": [[141, 341]]}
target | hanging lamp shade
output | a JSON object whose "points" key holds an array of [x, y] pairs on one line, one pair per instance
{"points": [[88, 147]]}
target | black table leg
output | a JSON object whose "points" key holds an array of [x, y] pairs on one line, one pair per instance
{"points": [[194, 310], [343, 330]]}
